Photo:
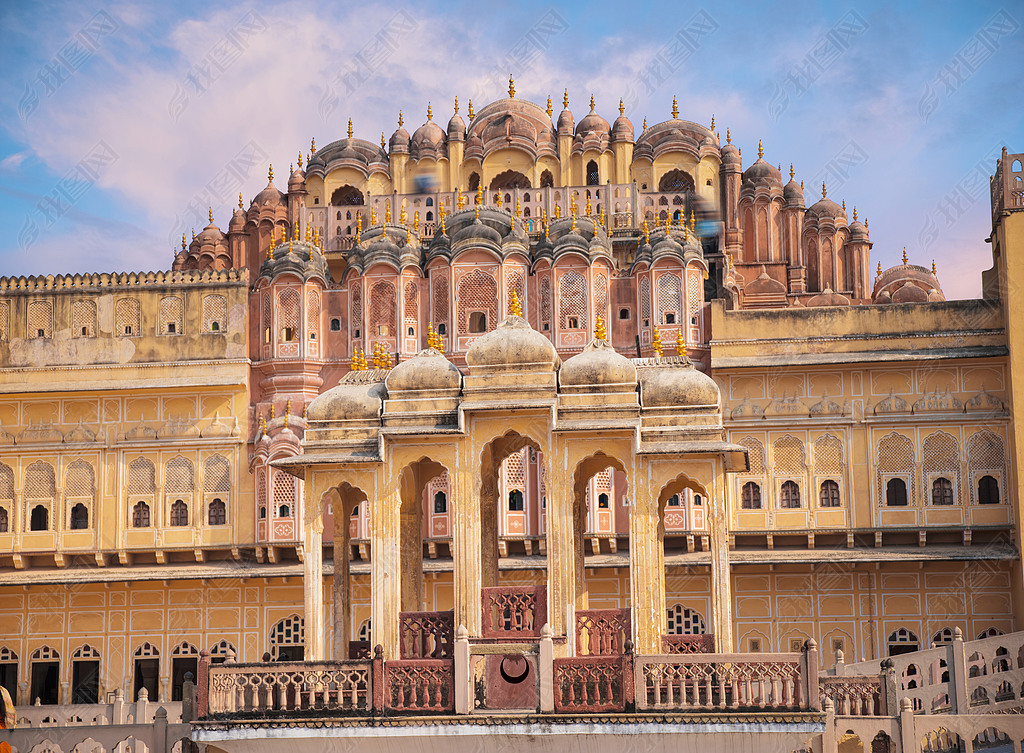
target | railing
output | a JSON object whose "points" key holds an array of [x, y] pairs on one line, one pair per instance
{"points": [[156, 735], [593, 683], [290, 686], [420, 685], [688, 644], [426, 635], [514, 611], [602, 632], [91, 714], [855, 696]]}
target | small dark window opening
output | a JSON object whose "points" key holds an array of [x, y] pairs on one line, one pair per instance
{"points": [[180, 666], [515, 501], [442, 329], [171, 326], [356, 334], [335, 325], [284, 512], [85, 681], [896, 493], [40, 520], [355, 511], [79, 517], [140, 515], [790, 497], [263, 512], [623, 313], [988, 490], [593, 175], [829, 496], [218, 514], [412, 331], [477, 321], [85, 331], [45, 682], [750, 497], [440, 503], [602, 501], [9, 678], [697, 500], [5, 523], [179, 513], [147, 675], [673, 501], [215, 326], [942, 492], [670, 318], [572, 323], [287, 334]]}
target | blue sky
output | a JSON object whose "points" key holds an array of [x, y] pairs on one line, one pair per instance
{"points": [[122, 121]]}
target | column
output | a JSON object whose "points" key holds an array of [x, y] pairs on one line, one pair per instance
{"points": [[340, 583], [467, 549], [313, 575], [721, 582], [562, 554], [646, 567], [386, 564]]}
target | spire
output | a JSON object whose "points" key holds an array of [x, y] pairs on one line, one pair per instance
{"points": [[373, 216], [511, 87], [300, 159], [240, 202], [904, 256], [401, 119], [545, 220], [760, 149], [387, 212], [599, 330], [647, 234], [514, 307], [211, 215], [675, 109], [460, 200], [728, 136], [383, 144], [879, 268], [456, 105], [430, 112], [645, 125], [855, 214], [350, 127], [712, 122], [791, 171], [934, 270], [183, 246], [549, 110], [402, 216], [680, 342], [497, 199], [824, 190], [440, 212], [656, 342], [312, 145], [844, 205], [359, 227], [622, 108], [591, 102], [479, 194], [270, 174], [589, 210], [470, 110], [565, 100], [519, 208]]}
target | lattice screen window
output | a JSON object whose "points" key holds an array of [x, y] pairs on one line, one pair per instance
{"points": [[645, 300], [755, 451], [5, 321], [45, 653], [6, 483], [828, 455], [284, 494], [83, 319], [147, 651], [985, 452], [172, 316], [514, 280], [127, 318], [477, 293], [40, 481], [572, 301], [79, 480], [312, 313], [941, 463], [668, 298], [685, 621], [412, 304], [217, 474], [215, 313], [179, 476], [261, 493], [515, 476], [601, 295], [383, 305], [288, 314], [288, 632], [268, 315], [86, 652], [40, 319], [185, 649], [545, 302], [693, 296], [357, 304], [439, 280], [788, 456], [895, 456], [141, 477]]}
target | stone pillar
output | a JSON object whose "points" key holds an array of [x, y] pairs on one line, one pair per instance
{"points": [[467, 547], [341, 611], [561, 535], [646, 569], [721, 576], [313, 576], [386, 564]]}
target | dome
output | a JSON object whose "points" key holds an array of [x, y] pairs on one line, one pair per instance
{"points": [[513, 343], [858, 231], [237, 219], [597, 364], [297, 257], [477, 231], [828, 298], [428, 141], [427, 370], [762, 172], [765, 285], [593, 123], [456, 128], [825, 207], [622, 129], [348, 402], [399, 140], [910, 293], [268, 196], [673, 386], [210, 234], [296, 181], [793, 192], [730, 154], [566, 124]]}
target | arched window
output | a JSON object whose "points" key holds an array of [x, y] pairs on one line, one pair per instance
{"points": [[515, 500], [287, 639], [4, 522], [85, 675], [45, 675], [284, 511], [430, 202], [140, 515], [675, 181], [902, 641], [440, 503], [477, 321], [602, 501], [942, 492], [179, 513], [685, 621], [750, 497], [829, 494], [147, 670], [988, 491], [593, 174], [40, 520], [335, 325], [430, 216], [790, 496], [346, 196], [218, 514], [896, 493], [79, 517], [943, 636], [673, 501], [546, 179], [474, 181]]}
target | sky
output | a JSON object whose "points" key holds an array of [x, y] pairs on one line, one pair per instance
{"points": [[122, 122]]}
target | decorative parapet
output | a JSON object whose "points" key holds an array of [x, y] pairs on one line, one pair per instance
{"points": [[38, 283]]}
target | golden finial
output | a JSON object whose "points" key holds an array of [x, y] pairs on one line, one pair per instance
{"points": [[284, 235], [383, 143], [656, 342], [387, 212], [591, 102], [210, 215], [312, 145], [354, 366], [479, 194], [290, 242], [416, 221], [686, 233], [300, 159], [456, 105], [309, 234], [904, 256], [549, 110], [601, 216], [497, 199], [193, 235], [183, 246], [572, 227], [728, 136], [408, 237], [865, 223], [316, 236], [558, 211], [240, 206], [430, 334], [879, 268], [514, 307], [565, 100], [287, 410], [855, 214], [373, 216], [359, 227], [760, 149], [519, 208], [402, 216], [801, 185], [460, 200], [791, 171], [511, 87], [470, 110], [599, 331], [824, 190], [430, 112], [779, 168], [273, 412], [401, 119], [644, 128], [350, 127], [712, 122], [675, 109], [622, 107], [589, 212], [647, 233], [362, 360], [296, 231], [270, 174], [844, 205], [476, 211], [546, 237], [572, 204], [693, 221], [290, 168], [444, 230], [680, 342]]}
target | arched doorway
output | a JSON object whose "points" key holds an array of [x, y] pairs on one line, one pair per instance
{"points": [[343, 502], [510, 179], [414, 482], [676, 181], [346, 196], [593, 174], [600, 514]]}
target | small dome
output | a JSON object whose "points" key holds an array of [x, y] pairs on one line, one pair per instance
{"points": [[762, 172], [348, 402], [765, 285], [513, 343], [826, 208], [566, 124], [593, 122], [456, 128], [268, 196], [730, 155], [427, 370], [910, 293], [935, 295], [858, 231], [622, 129], [210, 234], [296, 181], [428, 141], [237, 220], [669, 386], [597, 364], [479, 231], [793, 194], [828, 298], [399, 141]]}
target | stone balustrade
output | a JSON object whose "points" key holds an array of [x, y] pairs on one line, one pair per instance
{"points": [[290, 686], [93, 714], [514, 611], [155, 734]]}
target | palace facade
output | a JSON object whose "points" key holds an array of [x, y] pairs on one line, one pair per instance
{"points": [[584, 387]]}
